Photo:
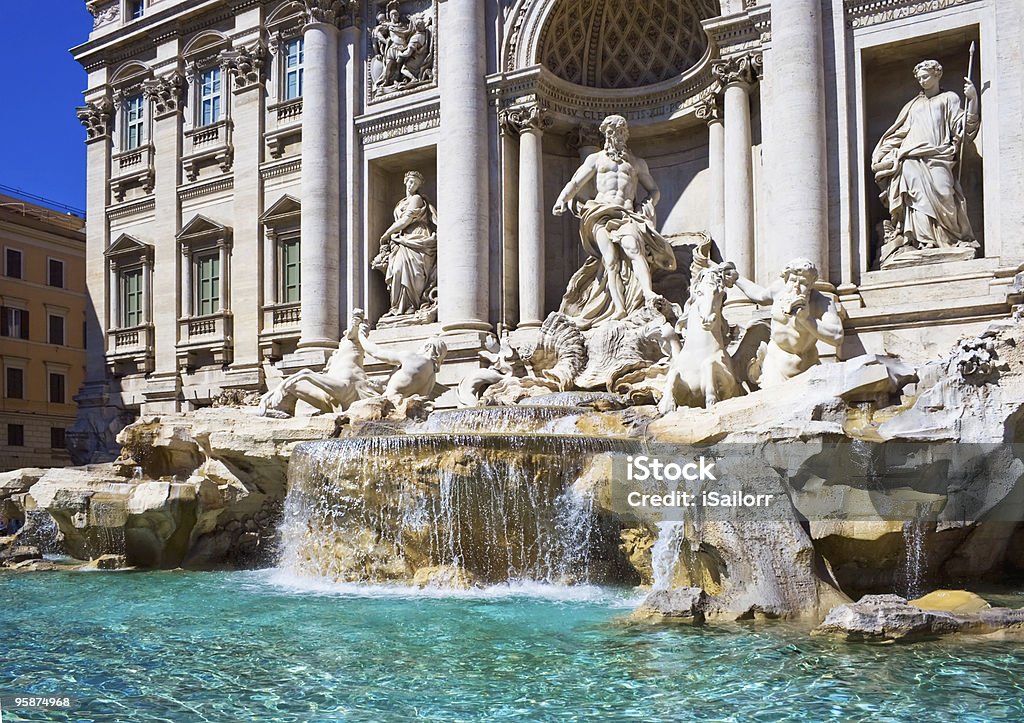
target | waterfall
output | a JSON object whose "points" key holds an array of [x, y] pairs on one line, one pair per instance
{"points": [[914, 558], [665, 553], [501, 507]]}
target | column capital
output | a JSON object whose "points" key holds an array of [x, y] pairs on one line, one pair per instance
{"points": [[96, 116], [745, 69], [529, 118], [339, 13], [165, 93], [246, 64], [709, 108]]}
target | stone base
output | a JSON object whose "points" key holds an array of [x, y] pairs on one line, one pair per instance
{"points": [[918, 257], [423, 316]]}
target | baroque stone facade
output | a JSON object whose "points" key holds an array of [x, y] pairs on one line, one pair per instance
{"points": [[245, 159]]}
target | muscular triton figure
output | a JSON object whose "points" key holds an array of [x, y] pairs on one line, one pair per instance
{"points": [[612, 226]]}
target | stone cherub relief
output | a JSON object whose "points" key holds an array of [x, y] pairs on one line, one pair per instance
{"points": [[619, 233], [408, 258], [403, 50], [344, 382], [916, 163]]}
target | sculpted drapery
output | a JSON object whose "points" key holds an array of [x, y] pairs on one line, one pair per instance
{"points": [[915, 165]]}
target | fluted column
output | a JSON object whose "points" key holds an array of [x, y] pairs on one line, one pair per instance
{"points": [[800, 205], [529, 122], [738, 75], [321, 181], [710, 111], [463, 198]]}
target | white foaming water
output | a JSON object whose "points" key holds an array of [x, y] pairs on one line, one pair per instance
{"points": [[665, 553], [286, 582], [501, 507]]}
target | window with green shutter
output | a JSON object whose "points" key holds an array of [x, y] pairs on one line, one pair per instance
{"points": [[208, 284], [131, 298], [291, 271]]}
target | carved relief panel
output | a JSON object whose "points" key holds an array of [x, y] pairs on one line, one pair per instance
{"points": [[402, 52]]}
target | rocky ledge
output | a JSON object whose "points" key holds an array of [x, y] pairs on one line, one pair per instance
{"points": [[888, 618]]}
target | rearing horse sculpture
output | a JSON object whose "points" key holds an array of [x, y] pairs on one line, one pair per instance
{"points": [[700, 372]]}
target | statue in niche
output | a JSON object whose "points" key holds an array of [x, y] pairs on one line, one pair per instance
{"points": [[417, 370], [403, 49], [334, 389], [408, 256], [916, 165], [620, 235], [801, 317]]}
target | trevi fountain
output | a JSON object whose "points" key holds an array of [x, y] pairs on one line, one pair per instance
{"points": [[704, 478]]}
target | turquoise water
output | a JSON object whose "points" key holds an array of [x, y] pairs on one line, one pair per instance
{"points": [[247, 646]]}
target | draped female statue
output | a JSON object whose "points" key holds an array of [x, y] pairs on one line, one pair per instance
{"points": [[408, 253]]}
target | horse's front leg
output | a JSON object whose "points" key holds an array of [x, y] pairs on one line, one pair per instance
{"points": [[668, 396]]}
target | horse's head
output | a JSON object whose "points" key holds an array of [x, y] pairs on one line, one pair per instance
{"points": [[706, 298]]}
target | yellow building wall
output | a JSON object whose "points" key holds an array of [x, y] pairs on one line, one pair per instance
{"points": [[40, 235]]}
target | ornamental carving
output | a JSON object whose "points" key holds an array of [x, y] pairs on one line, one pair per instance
{"points": [[96, 116], [103, 14], [615, 44], [247, 64], [864, 13], [340, 13], [709, 109], [402, 50], [525, 118], [165, 93], [746, 69]]}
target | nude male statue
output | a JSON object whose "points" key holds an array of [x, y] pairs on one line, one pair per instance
{"points": [[612, 226], [801, 317], [417, 370]]}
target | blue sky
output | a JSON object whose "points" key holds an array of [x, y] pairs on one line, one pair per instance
{"points": [[43, 148]]}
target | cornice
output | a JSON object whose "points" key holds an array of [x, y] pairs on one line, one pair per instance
{"points": [[864, 13]]}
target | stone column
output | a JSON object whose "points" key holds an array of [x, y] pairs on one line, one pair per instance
{"points": [[147, 291], [115, 296], [354, 260], [463, 199], [225, 270], [800, 202], [710, 111], [738, 75], [529, 122], [186, 282], [245, 300], [96, 116], [321, 181], [270, 270], [166, 94]]}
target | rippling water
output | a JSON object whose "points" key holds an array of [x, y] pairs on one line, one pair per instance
{"points": [[239, 647]]}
